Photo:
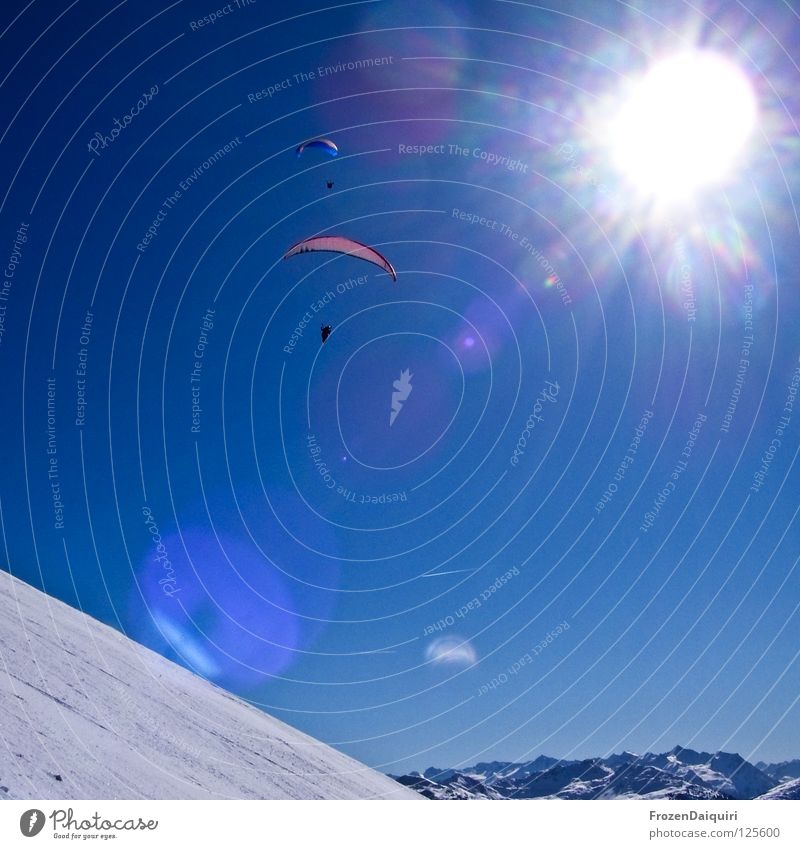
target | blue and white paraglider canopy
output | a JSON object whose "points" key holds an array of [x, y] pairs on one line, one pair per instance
{"points": [[323, 144]]}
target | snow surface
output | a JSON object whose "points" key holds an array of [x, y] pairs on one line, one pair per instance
{"points": [[787, 790], [86, 713]]}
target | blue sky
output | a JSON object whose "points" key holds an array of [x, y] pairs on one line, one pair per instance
{"points": [[579, 535]]}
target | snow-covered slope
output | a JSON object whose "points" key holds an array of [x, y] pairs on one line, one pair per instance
{"points": [[788, 790], [86, 713]]}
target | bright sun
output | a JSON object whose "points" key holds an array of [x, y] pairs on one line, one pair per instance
{"points": [[683, 125]]}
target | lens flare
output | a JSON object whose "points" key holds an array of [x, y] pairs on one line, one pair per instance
{"points": [[451, 651]]}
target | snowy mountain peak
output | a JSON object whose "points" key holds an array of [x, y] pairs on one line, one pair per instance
{"points": [[689, 756], [621, 758], [782, 771]]}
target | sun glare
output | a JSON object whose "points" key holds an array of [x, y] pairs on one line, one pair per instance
{"points": [[683, 126]]}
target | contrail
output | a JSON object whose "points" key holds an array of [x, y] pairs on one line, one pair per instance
{"points": [[436, 574]]}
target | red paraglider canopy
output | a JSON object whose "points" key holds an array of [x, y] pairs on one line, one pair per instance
{"points": [[342, 245]]}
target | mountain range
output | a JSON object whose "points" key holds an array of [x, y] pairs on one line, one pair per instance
{"points": [[678, 774]]}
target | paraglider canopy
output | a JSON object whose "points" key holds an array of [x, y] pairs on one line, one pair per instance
{"points": [[342, 245], [325, 145]]}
